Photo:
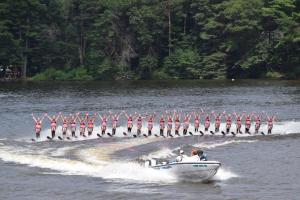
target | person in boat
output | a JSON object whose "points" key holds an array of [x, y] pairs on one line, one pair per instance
{"points": [[217, 121], [238, 122], [130, 119], [196, 121], [228, 122], [82, 121], [248, 122], [177, 123], [65, 122], [196, 156], [270, 123], [53, 123], [193, 158], [115, 119], [73, 125], [186, 123], [257, 120], [38, 125], [162, 125], [150, 123], [202, 156], [181, 156], [103, 123]]}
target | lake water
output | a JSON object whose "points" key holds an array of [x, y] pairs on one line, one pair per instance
{"points": [[253, 166]]}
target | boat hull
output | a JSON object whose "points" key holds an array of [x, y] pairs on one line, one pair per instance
{"points": [[191, 171]]}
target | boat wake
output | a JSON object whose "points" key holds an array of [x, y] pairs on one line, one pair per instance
{"points": [[224, 174], [99, 160], [214, 144]]}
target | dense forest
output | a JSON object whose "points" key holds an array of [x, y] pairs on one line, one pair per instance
{"points": [[150, 39]]}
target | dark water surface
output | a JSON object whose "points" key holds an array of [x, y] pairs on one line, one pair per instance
{"points": [[253, 167]]}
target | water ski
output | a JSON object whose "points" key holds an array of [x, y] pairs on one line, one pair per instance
{"points": [[233, 133], [110, 135], [125, 134], [262, 133], [201, 133], [99, 135], [190, 133], [223, 133], [60, 138], [212, 132], [49, 138]]}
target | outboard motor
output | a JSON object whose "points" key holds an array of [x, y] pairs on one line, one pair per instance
{"points": [[147, 163], [150, 163], [153, 162]]}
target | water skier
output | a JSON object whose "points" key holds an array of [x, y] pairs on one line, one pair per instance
{"points": [[38, 125]]}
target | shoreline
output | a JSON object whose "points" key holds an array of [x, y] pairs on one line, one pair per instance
{"points": [[133, 80]]}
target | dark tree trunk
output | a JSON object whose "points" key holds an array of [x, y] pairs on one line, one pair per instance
{"points": [[170, 28], [25, 58], [184, 25]]}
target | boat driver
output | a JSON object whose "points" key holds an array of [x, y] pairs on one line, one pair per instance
{"points": [[202, 156]]}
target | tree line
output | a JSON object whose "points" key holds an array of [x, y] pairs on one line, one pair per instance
{"points": [[150, 39]]}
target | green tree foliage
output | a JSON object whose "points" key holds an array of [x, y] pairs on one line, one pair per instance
{"points": [[157, 39]]}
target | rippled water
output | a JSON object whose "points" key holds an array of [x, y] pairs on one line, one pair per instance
{"points": [[253, 167]]}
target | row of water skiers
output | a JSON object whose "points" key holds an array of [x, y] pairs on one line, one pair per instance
{"points": [[167, 119]]}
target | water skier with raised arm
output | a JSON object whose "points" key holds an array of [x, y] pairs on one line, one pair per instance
{"points": [[115, 120], [248, 123], [103, 123], [150, 124], [90, 123], [53, 123], [238, 122], [130, 119], [270, 123], [65, 123], [257, 120], [186, 123], [217, 121], [162, 125], [177, 123], [228, 122], [196, 121], [73, 125], [38, 125]]}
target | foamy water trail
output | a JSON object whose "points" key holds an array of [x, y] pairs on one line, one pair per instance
{"points": [[62, 151], [95, 162], [224, 174], [112, 170], [213, 144], [162, 153]]}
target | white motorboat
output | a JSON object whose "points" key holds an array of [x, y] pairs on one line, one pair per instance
{"points": [[188, 171]]}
